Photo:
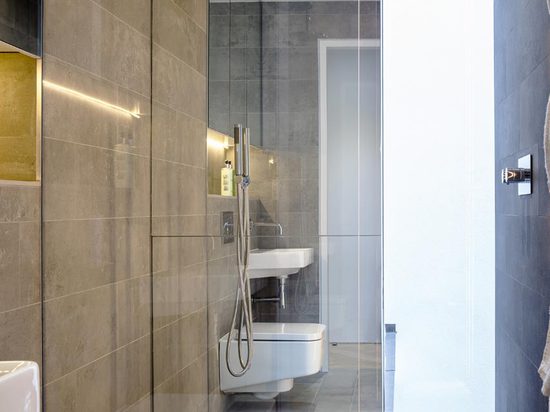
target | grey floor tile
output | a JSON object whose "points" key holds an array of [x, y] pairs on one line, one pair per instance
{"points": [[251, 406], [318, 377], [302, 392], [353, 383], [293, 407], [334, 404]]}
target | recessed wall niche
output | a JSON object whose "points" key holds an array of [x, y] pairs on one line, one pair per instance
{"points": [[220, 149], [19, 120]]}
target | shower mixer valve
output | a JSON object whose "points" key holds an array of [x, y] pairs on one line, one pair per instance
{"points": [[522, 175], [511, 175]]}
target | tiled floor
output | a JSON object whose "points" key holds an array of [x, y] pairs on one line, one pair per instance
{"points": [[353, 383]]}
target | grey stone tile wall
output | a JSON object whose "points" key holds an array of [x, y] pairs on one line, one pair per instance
{"points": [[522, 86], [98, 219], [96, 215], [20, 298], [179, 207], [274, 81]]}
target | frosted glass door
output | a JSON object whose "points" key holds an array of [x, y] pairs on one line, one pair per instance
{"points": [[353, 194]]}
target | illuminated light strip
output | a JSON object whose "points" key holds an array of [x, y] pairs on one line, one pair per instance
{"points": [[216, 143], [89, 99]]}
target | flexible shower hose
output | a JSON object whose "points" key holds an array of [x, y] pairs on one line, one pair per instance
{"points": [[243, 300]]}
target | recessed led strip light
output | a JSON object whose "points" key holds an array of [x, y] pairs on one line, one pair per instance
{"points": [[217, 139], [90, 99], [216, 143]]}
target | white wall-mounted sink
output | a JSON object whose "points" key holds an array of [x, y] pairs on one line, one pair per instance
{"points": [[265, 263], [19, 386]]}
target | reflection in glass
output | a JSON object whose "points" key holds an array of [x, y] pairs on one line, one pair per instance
{"points": [[316, 131]]}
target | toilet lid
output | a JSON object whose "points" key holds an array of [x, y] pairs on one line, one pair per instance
{"points": [[288, 331]]}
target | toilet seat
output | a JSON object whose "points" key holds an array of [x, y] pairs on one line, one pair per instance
{"points": [[282, 352]]}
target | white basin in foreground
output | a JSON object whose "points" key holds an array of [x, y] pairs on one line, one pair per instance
{"points": [[19, 386], [265, 263]]}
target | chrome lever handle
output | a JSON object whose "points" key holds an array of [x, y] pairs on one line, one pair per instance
{"points": [[515, 175]]}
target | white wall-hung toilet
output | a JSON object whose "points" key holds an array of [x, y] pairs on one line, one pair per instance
{"points": [[282, 352]]}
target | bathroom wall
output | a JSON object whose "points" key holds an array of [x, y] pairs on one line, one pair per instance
{"points": [[20, 280], [116, 299], [179, 191], [96, 206], [20, 306], [522, 87], [111, 292], [290, 32], [101, 206], [268, 51]]}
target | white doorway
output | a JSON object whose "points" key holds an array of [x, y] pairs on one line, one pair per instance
{"points": [[350, 189]]}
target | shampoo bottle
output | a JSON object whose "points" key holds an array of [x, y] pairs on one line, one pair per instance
{"points": [[227, 179]]}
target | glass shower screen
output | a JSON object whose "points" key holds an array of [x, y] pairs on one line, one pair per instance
{"points": [[304, 76]]}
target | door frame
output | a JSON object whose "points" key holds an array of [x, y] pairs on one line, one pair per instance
{"points": [[322, 47]]}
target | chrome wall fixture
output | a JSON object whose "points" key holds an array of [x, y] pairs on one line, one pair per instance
{"points": [[278, 226], [522, 175], [227, 227]]}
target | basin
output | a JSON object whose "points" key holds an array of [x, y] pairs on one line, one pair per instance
{"points": [[19, 386], [279, 263]]}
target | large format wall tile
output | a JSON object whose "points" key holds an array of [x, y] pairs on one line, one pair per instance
{"points": [[19, 203], [169, 74], [86, 326], [178, 344], [186, 391], [133, 12], [85, 182], [179, 277], [179, 205], [120, 251], [96, 125], [179, 321], [178, 189], [522, 225], [114, 382], [179, 138], [196, 9], [97, 286], [20, 333], [19, 264], [179, 34], [84, 34], [20, 299]]}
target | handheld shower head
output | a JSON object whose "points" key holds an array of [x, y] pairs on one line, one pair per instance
{"points": [[242, 150], [246, 153], [243, 299], [238, 138]]}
